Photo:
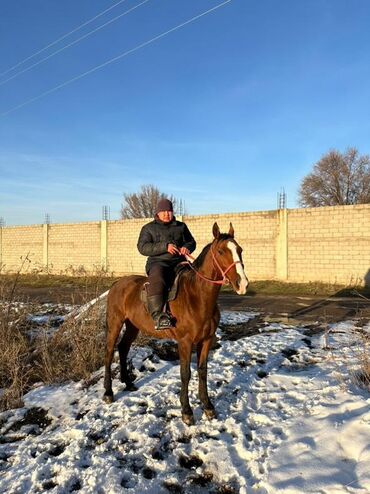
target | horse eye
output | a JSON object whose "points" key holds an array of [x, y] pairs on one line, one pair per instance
{"points": [[220, 251]]}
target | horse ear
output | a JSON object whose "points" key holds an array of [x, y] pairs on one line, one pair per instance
{"points": [[216, 230], [231, 231]]}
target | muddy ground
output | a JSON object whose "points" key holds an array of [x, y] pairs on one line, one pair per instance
{"points": [[289, 309], [299, 309]]}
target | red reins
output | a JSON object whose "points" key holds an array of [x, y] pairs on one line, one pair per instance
{"points": [[224, 281]]}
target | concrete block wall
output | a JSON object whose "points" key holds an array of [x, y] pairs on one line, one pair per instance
{"points": [[122, 253], [255, 232], [18, 242], [329, 244], [74, 246]]}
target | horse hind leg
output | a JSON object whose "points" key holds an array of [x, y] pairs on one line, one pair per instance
{"points": [[202, 354], [114, 325], [124, 346]]}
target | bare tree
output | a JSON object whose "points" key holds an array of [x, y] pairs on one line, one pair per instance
{"points": [[337, 179], [142, 204]]}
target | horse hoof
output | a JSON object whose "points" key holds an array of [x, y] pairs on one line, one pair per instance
{"points": [[210, 413], [131, 387], [124, 380], [108, 399], [188, 419]]}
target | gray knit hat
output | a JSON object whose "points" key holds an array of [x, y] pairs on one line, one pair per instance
{"points": [[164, 205]]}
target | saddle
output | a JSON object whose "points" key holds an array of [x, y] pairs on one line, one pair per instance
{"points": [[172, 292]]}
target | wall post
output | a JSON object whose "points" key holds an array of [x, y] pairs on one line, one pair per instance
{"points": [[282, 245], [104, 244], [45, 245], [1, 247]]}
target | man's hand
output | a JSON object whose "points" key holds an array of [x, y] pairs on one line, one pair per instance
{"points": [[172, 249], [184, 251]]}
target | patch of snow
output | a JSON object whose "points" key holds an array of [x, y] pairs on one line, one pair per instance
{"points": [[230, 318]]}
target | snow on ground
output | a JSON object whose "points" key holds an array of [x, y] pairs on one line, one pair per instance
{"points": [[229, 318], [286, 424]]}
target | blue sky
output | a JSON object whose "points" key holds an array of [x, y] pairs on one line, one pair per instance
{"points": [[222, 113]]}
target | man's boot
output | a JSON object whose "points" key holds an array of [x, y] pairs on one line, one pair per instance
{"points": [[155, 306]]}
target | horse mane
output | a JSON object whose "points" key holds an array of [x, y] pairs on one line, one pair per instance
{"points": [[200, 259]]}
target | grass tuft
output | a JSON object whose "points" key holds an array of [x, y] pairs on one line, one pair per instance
{"points": [[74, 351]]}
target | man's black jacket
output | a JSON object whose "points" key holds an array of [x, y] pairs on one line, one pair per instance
{"points": [[156, 235]]}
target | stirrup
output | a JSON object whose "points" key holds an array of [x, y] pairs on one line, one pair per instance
{"points": [[163, 321]]}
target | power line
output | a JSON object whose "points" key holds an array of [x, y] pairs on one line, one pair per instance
{"points": [[114, 59], [62, 37], [73, 42]]}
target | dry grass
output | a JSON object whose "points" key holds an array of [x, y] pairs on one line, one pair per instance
{"points": [[274, 287], [69, 279], [14, 344], [15, 369], [351, 354], [101, 280], [362, 373], [73, 351]]}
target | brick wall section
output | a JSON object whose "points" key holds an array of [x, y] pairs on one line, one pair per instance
{"points": [[74, 245], [123, 256], [329, 244], [17, 242]]}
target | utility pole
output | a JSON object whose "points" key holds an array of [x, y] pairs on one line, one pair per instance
{"points": [[281, 199], [105, 213]]}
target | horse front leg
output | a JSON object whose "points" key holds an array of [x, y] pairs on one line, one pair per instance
{"points": [[185, 373], [202, 354]]}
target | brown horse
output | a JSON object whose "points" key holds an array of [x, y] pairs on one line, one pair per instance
{"points": [[195, 310]]}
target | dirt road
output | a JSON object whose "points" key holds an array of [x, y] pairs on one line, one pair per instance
{"points": [[302, 309], [283, 308]]}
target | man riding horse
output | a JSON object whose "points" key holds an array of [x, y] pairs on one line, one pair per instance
{"points": [[165, 241]]}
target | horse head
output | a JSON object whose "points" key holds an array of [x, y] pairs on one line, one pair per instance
{"points": [[227, 258]]}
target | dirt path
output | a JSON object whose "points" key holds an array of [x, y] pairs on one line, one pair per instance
{"points": [[302, 309]]}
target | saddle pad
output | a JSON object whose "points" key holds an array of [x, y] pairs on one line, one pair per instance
{"points": [[172, 294]]}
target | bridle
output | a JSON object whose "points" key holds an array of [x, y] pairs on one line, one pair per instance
{"points": [[224, 281]]}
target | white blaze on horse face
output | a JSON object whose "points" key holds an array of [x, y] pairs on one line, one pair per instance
{"points": [[239, 269]]}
